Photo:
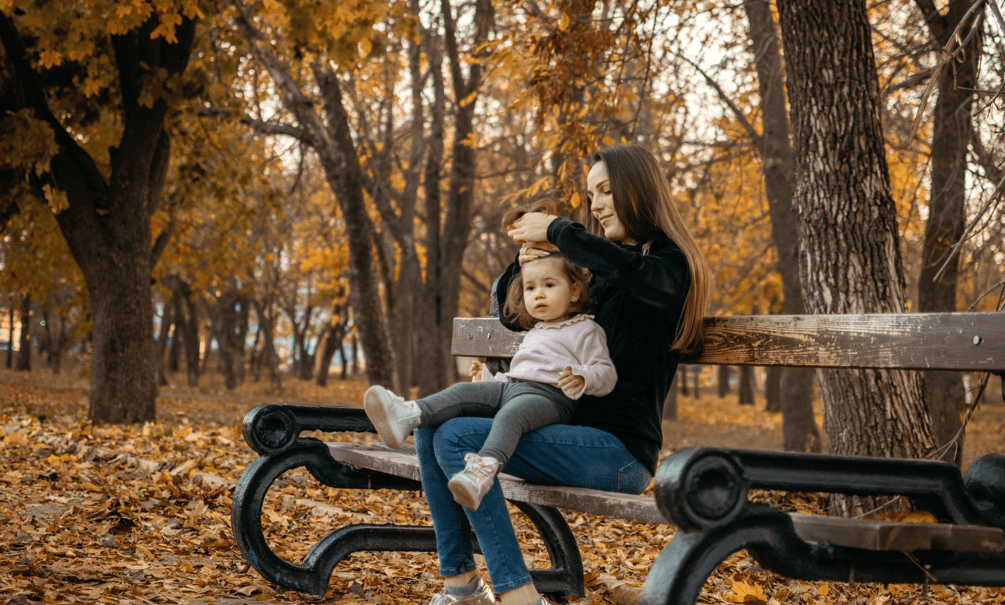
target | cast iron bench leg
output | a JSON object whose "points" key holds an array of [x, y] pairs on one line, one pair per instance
{"points": [[565, 576]]}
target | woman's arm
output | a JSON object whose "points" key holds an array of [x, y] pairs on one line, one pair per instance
{"points": [[660, 279]]}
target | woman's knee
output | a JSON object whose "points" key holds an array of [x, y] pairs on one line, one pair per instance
{"points": [[460, 435]]}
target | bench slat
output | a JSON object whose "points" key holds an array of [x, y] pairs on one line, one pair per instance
{"points": [[855, 533], [402, 463], [887, 535], [916, 341]]}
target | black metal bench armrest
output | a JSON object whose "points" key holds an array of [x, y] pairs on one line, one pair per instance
{"points": [[272, 427], [702, 487]]}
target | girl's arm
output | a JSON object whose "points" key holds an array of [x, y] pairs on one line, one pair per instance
{"points": [[595, 366]]}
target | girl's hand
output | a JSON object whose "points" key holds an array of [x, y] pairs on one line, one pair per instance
{"points": [[571, 384], [531, 227], [476, 371]]}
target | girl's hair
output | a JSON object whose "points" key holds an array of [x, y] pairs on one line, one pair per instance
{"points": [[645, 207], [515, 309]]}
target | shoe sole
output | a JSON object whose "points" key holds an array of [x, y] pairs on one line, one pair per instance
{"points": [[462, 496], [373, 404]]}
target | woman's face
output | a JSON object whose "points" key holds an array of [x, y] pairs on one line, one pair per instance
{"points": [[598, 188]]}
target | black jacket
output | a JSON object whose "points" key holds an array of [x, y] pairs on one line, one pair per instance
{"points": [[638, 300]]}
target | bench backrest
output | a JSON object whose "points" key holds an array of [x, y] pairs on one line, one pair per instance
{"points": [[913, 341]]}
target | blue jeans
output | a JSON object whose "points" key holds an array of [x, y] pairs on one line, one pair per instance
{"points": [[557, 454]]}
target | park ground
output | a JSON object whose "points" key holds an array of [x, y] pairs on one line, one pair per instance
{"points": [[141, 514]]}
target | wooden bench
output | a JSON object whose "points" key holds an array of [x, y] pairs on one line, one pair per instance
{"points": [[703, 491]]}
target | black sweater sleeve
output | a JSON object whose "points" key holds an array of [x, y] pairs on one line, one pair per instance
{"points": [[656, 280]]}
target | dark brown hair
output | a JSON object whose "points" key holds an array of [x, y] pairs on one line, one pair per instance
{"points": [[545, 206], [646, 209], [515, 309]]}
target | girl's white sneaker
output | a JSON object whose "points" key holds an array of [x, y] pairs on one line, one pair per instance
{"points": [[470, 485], [392, 417]]}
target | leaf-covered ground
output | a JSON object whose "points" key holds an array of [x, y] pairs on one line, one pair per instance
{"points": [[141, 514]]}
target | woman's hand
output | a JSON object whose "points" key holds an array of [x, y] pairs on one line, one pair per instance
{"points": [[531, 227], [571, 384], [534, 251]]}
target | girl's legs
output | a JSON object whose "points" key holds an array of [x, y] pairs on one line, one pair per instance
{"points": [[554, 455], [529, 406], [482, 399]]}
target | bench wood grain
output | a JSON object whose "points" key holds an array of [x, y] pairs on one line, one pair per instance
{"points": [[913, 341]]}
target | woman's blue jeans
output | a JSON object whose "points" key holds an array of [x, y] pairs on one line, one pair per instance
{"points": [[574, 456]]}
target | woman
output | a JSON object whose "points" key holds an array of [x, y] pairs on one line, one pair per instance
{"points": [[650, 289]]}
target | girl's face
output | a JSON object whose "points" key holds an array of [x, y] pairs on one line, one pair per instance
{"points": [[598, 188], [547, 290]]}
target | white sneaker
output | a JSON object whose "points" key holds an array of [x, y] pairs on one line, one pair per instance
{"points": [[393, 417], [483, 596], [470, 485]]}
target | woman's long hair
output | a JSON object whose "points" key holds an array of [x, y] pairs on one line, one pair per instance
{"points": [[647, 211]]}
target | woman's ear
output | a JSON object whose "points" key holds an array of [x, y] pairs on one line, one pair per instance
{"points": [[575, 290]]}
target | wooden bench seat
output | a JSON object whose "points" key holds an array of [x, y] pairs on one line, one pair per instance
{"points": [[856, 533]]}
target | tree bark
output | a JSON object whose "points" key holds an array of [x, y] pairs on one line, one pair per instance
{"points": [[107, 223], [22, 363], [952, 132], [850, 250], [269, 359], [799, 426]]}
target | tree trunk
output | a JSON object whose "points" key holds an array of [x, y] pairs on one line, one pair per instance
{"points": [[167, 320], [107, 222], [952, 131], [773, 389], [331, 138], [10, 339], [23, 361], [850, 250], [778, 168], [681, 377], [270, 360], [333, 342], [670, 403], [723, 375], [746, 385], [187, 325]]}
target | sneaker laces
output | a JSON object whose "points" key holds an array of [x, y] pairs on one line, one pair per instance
{"points": [[485, 467]]}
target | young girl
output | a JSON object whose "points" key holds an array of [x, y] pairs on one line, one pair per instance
{"points": [[562, 357]]}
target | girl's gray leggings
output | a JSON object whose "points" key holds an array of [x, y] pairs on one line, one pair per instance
{"points": [[517, 407]]}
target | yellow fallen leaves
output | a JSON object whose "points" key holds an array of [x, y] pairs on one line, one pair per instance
{"points": [[747, 593]]}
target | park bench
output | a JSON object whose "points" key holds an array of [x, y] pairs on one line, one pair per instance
{"points": [[702, 491]]}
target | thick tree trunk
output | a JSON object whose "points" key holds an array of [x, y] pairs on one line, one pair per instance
{"points": [[269, 358], [107, 223], [22, 362], [953, 129], [796, 389], [773, 390], [850, 250]]}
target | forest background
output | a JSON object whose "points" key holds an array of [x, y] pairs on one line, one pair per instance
{"points": [[190, 179]]}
